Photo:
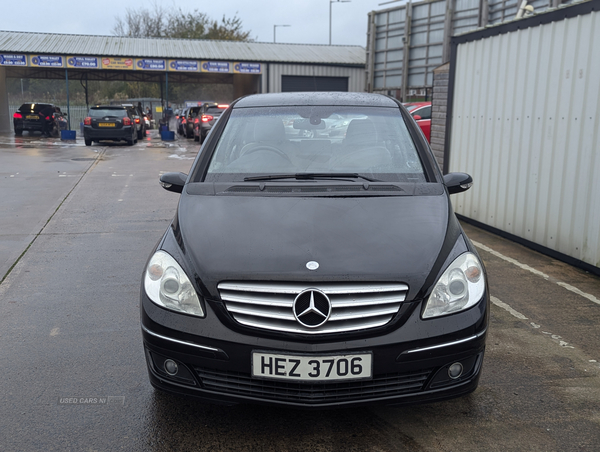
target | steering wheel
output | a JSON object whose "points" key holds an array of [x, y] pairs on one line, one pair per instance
{"points": [[264, 147]]}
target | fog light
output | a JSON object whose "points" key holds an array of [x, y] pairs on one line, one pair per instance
{"points": [[454, 371], [171, 367]]}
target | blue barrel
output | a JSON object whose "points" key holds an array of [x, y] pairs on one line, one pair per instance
{"points": [[67, 135], [167, 135]]}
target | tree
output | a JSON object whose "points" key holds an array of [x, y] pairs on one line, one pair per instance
{"points": [[160, 23]]}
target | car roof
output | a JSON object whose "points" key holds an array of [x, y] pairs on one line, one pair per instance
{"points": [[116, 107], [316, 98], [36, 103]]}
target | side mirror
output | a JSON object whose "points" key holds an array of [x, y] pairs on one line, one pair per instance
{"points": [[457, 182], [417, 117], [173, 181]]}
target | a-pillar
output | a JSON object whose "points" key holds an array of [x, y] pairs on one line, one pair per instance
{"points": [[5, 119]]}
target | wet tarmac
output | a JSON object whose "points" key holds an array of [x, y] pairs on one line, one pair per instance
{"points": [[77, 226]]}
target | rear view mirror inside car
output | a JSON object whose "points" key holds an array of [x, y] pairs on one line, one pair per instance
{"points": [[308, 124]]}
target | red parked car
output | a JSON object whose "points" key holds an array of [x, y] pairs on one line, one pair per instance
{"points": [[421, 112]]}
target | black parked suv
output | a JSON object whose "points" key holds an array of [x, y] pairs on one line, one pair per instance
{"points": [[33, 117], [109, 122]]}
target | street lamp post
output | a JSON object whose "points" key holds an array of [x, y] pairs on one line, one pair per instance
{"points": [[275, 31], [331, 2]]}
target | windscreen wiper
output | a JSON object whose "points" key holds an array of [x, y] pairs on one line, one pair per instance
{"points": [[309, 176]]}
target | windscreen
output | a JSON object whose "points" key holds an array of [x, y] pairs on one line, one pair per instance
{"points": [[102, 112], [373, 142], [215, 111], [33, 108]]}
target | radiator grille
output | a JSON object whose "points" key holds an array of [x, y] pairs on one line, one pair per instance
{"points": [[354, 306]]}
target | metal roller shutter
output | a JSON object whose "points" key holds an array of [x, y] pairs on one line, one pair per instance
{"points": [[295, 83]]}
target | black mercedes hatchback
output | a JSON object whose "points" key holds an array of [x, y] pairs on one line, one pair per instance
{"points": [[314, 269]]}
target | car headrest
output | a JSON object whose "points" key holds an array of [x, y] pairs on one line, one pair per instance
{"points": [[269, 129], [360, 131]]}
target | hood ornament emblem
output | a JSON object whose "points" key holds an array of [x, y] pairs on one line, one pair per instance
{"points": [[312, 265]]}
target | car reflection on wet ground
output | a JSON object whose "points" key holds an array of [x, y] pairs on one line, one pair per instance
{"points": [[152, 139]]}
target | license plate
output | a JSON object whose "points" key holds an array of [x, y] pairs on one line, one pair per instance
{"points": [[33, 117], [106, 124], [312, 368]]}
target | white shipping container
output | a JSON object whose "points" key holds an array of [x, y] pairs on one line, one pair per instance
{"points": [[526, 125]]}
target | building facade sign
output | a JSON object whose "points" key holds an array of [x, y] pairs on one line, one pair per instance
{"points": [[215, 66], [46, 61], [13, 60], [184, 65], [247, 68], [150, 64], [129, 64], [117, 63], [80, 62]]}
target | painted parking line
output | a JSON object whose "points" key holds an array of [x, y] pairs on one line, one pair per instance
{"points": [[506, 307], [536, 272]]}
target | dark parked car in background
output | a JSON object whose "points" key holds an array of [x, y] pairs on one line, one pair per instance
{"points": [[421, 113], [109, 122], [186, 121], [315, 272], [138, 118], [180, 118], [206, 119], [33, 117]]}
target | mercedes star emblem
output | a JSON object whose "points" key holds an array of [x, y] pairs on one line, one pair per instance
{"points": [[312, 308]]}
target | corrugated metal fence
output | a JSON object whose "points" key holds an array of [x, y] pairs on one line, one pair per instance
{"points": [[416, 36], [525, 124]]}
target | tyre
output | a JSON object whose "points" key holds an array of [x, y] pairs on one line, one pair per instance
{"points": [[88, 142], [19, 132], [140, 134]]}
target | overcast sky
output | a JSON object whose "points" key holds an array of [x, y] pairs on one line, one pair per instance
{"points": [[308, 19]]}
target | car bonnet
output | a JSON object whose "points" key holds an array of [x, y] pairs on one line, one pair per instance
{"points": [[393, 238]]}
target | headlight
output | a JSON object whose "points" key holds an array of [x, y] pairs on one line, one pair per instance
{"points": [[459, 288], [167, 285]]}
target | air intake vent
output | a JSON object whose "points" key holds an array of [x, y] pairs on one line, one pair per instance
{"points": [[311, 188]]}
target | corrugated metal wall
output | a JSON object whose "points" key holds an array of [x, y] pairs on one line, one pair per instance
{"points": [[526, 126], [417, 36], [356, 76]]}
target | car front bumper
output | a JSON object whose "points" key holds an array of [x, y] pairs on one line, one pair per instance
{"points": [[410, 363]]}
